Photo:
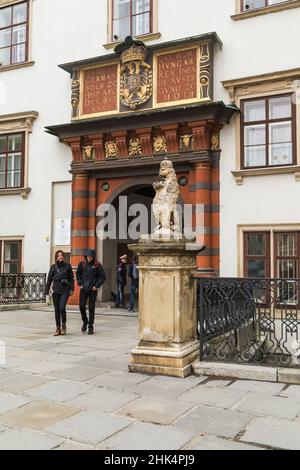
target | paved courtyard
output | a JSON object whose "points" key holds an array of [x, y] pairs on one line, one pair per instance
{"points": [[75, 392]]}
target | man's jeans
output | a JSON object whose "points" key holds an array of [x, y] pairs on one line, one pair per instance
{"points": [[120, 300], [133, 292], [91, 296]]}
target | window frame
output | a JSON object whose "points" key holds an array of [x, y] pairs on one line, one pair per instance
{"points": [[247, 257], [131, 16], [2, 254], [266, 5], [276, 235], [23, 148], [11, 26], [267, 122]]}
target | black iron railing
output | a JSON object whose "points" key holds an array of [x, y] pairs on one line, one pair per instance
{"points": [[249, 320], [22, 288]]}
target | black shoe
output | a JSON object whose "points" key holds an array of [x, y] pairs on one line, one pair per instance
{"points": [[130, 310], [84, 326], [117, 306], [91, 331]]}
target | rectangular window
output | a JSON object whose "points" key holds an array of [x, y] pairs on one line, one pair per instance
{"points": [[268, 133], [286, 255], [131, 18], [11, 160], [257, 254], [248, 5], [11, 252], [14, 34]]}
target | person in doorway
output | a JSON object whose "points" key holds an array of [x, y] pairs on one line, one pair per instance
{"points": [[90, 277], [61, 283], [133, 274], [121, 282]]}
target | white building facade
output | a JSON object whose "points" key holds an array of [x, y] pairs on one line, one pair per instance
{"points": [[254, 227]]}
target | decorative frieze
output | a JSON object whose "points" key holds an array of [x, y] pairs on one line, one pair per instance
{"points": [[135, 147], [160, 144], [111, 149]]}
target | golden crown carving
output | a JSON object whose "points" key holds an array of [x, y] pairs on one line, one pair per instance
{"points": [[135, 53]]}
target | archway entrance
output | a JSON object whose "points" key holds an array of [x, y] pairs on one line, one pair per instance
{"points": [[109, 250]]}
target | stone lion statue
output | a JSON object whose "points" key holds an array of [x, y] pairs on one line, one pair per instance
{"points": [[166, 199]]}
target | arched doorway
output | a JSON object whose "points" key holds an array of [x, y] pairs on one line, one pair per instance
{"points": [[109, 250]]}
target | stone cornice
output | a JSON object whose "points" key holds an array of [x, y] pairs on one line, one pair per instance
{"points": [[249, 172], [22, 120]]}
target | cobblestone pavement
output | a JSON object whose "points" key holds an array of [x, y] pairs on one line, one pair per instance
{"points": [[75, 392]]}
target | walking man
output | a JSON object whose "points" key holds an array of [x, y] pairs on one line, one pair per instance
{"points": [[90, 277], [121, 282], [134, 276]]}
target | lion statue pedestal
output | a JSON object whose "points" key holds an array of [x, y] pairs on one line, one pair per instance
{"points": [[168, 342]]}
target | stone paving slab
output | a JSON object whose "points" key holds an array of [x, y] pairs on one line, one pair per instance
{"points": [[216, 443], [280, 407], [20, 439], [37, 415], [216, 383], [103, 400], [118, 380], [257, 387], [274, 432], [89, 427], [59, 390], [42, 367], [292, 391], [71, 445], [77, 373], [9, 401], [19, 382], [166, 386], [220, 397], [209, 420], [155, 410], [146, 436]]}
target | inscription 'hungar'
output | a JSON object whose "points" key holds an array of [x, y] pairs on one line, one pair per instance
{"points": [[177, 76]]}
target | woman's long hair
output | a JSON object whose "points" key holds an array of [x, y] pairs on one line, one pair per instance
{"points": [[57, 253]]}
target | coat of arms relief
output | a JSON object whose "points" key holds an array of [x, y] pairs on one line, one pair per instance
{"points": [[136, 75]]}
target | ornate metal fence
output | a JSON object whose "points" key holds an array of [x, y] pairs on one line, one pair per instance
{"points": [[249, 320], [22, 288]]}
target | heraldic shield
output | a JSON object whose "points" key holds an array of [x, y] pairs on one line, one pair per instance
{"points": [[136, 74]]}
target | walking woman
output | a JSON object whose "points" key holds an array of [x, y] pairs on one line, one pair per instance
{"points": [[61, 281]]}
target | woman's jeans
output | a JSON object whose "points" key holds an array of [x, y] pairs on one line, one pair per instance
{"points": [[60, 302]]}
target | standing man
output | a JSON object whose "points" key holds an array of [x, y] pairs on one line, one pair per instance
{"points": [[90, 277], [134, 276], [121, 282]]}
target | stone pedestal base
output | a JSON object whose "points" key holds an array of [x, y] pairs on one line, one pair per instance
{"points": [[173, 360], [167, 303]]}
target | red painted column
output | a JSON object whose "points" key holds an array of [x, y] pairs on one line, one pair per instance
{"points": [[80, 223], [203, 212]]}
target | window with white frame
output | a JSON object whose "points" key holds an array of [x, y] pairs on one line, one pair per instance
{"points": [[248, 5], [14, 34], [12, 160], [268, 132], [131, 18]]}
